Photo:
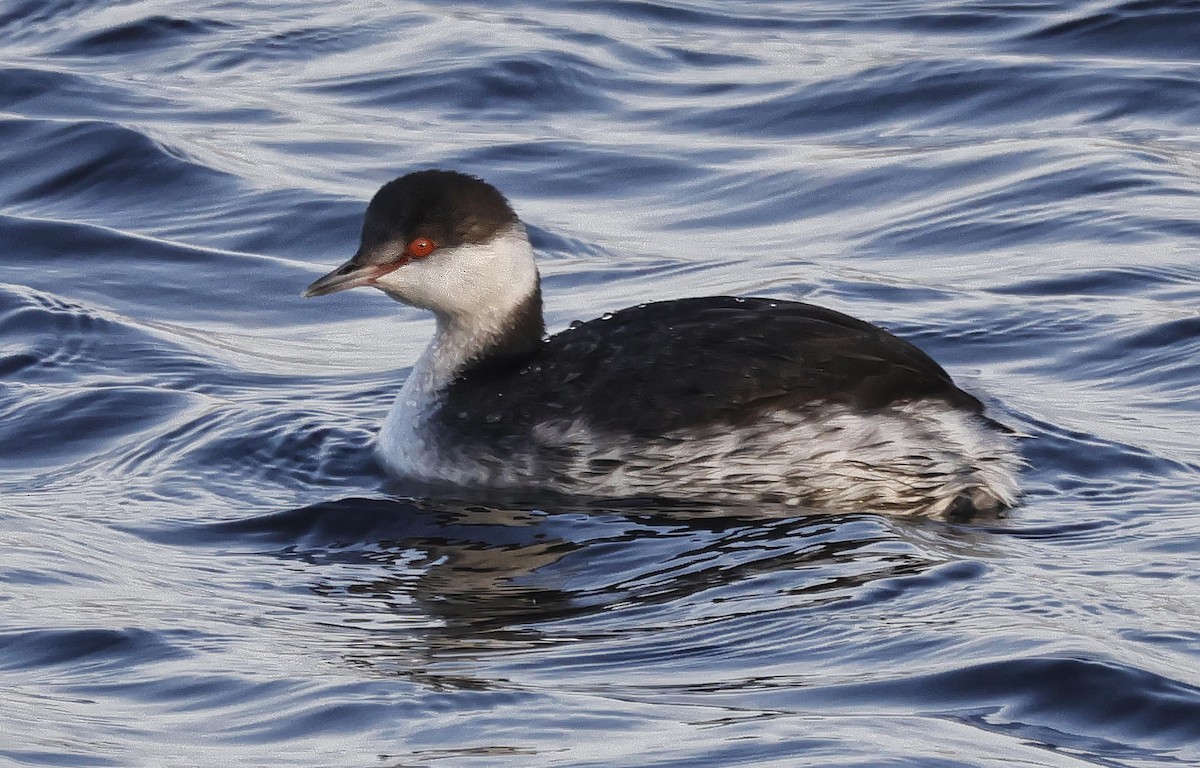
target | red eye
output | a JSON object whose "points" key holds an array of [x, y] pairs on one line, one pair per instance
{"points": [[420, 248]]}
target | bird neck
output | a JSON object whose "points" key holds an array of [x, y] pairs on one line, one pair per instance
{"points": [[479, 345]]}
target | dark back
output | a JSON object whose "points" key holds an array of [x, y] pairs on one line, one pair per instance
{"points": [[686, 363]]}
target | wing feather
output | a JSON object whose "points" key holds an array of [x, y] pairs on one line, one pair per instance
{"points": [[676, 364]]}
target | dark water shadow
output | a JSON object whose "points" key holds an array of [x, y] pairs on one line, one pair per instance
{"points": [[480, 579]]}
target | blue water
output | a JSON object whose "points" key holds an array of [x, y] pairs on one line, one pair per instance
{"points": [[203, 566]]}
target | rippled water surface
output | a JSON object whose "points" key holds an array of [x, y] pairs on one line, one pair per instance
{"points": [[203, 565]]}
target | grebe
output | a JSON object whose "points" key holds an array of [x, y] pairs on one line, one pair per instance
{"points": [[722, 398]]}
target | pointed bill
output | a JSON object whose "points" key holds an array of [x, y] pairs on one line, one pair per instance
{"points": [[348, 275]]}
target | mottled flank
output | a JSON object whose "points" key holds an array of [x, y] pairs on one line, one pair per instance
{"points": [[925, 459]]}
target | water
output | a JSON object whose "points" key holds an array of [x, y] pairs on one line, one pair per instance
{"points": [[203, 566]]}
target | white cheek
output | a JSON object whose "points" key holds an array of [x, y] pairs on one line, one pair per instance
{"points": [[428, 283], [476, 284]]}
